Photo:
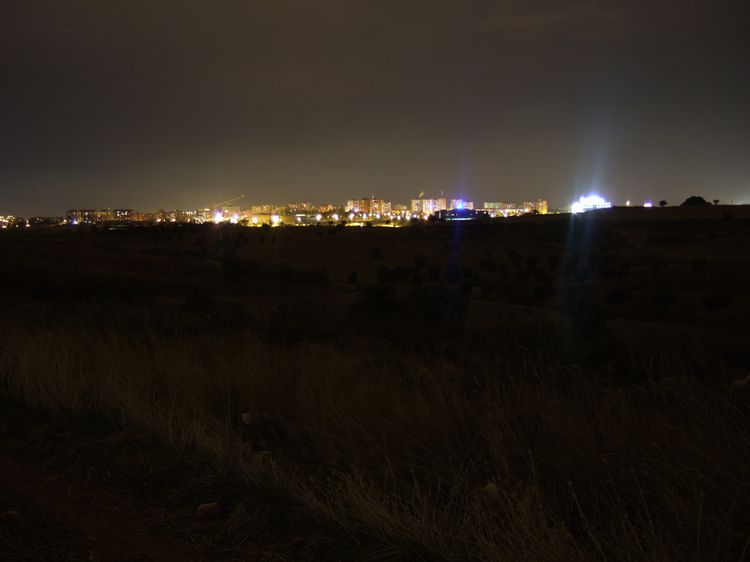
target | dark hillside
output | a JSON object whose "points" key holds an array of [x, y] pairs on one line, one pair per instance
{"points": [[548, 387]]}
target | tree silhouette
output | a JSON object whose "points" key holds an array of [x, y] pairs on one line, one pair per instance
{"points": [[716, 201], [662, 203]]}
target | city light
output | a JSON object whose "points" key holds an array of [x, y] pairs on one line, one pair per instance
{"points": [[648, 204], [589, 203], [369, 211]]}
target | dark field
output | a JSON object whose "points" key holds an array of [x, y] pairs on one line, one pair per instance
{"points": [[541, 388]]}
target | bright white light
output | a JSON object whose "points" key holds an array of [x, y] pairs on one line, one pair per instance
{"points": [[335, 217], [218, 217], [351, 216], [627, 203], [648, 204], [254, 220], [588, 203], [235, 219], [275, 219], [318, 217]]}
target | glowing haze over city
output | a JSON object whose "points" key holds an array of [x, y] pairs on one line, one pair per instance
{"points": [[182, 104]]}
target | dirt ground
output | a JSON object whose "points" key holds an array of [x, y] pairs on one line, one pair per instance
{"points": [[45, 515], [69, 496]]}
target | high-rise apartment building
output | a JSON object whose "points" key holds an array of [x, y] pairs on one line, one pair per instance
{"points": [[371, 206], [428, 206]]}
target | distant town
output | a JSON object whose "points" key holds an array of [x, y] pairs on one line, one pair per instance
{"points": [[356, 212]]}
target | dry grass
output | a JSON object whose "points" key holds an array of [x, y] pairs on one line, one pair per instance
{"points": [[519, 459], [460, 419]]}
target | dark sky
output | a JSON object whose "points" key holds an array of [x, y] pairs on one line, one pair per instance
{"points": [[155, 103]]}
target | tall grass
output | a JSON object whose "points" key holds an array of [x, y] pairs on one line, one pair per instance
{"points": [[515, 457]]}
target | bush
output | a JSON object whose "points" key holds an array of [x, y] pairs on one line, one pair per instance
{"points": [[695, 201]]}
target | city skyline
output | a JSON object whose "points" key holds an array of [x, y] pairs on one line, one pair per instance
{"points": [[233, 211], [169, 104]]}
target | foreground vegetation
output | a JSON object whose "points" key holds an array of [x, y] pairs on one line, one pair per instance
{"points": [[484, 411]]}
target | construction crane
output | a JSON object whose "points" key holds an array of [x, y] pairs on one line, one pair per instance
{"points": [[223, 203]]}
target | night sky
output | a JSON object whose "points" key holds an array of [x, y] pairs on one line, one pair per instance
{"points": [[150, 104]]}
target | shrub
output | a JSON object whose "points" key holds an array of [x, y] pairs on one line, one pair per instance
{"points": [[695, 201]]}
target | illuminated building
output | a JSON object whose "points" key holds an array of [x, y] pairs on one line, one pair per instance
{"points": [[103, 215], [380, 207], [428, 206], [122, 214], [327, 208], [461, 214], [298, 207], [141, 217], [369, 206], [589, 203], [510, 209], [461, 204], [542, 207], [264, 210], [81, 216]]}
